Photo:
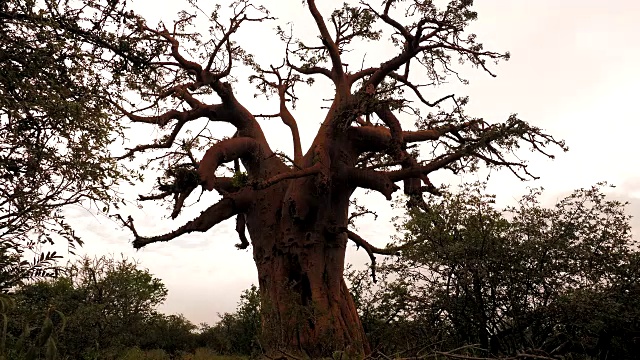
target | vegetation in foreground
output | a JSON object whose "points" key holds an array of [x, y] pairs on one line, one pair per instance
{"points": [[473, 282]]}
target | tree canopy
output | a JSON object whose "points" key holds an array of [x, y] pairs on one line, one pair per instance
{"points": [[58, 61]]}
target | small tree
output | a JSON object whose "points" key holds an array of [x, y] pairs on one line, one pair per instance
{"points": [[107, 304], [171, 333]]}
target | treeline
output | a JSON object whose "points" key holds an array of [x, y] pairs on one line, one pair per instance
{"points": [[528, 282], [472, 282], [105, 308]]}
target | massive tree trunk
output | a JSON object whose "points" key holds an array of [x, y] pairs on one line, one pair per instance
{"points": [[307, 307]]}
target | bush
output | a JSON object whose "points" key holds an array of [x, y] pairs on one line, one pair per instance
{"points": [[556, 281]]}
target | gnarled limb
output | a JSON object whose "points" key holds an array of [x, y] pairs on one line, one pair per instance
{"points": [[212, 112], [370, 249], [227, 207], [290, 121], [370, 179], [311, 70], [313, 170], [222, 152], [395, 129], [159, 145], [412, 186], [223, 185], [378, 138], [241, 225], [179, 199], [165, 118], [159, 196]]}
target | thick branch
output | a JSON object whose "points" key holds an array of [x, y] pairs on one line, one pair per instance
{"points": [[378, 138], [224, 185], [179, 199], [311, 70], [416, 172], [313, 170], [223, 152], [241, 224], [373, 180], [290, 121], [224, 209], [395, 129], [159, 196]]}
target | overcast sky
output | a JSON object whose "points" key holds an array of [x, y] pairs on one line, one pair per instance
{"points": [[573, 72]]}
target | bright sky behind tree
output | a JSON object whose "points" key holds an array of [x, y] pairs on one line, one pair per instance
{"points": [[573, 72]]}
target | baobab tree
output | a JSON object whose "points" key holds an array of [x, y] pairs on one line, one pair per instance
{"points": [[296, 207]]}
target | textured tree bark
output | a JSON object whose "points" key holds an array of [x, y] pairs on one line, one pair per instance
{"points": [[307, 307]]}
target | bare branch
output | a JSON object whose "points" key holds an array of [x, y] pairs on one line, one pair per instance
{"points": [[311, 70], [416, 172], [167, 143], [284, 87], [212, 112], [224, 209], [332, 48], [175, 50], [162, 195], [405, 81], [370, 249], [241, 224]]}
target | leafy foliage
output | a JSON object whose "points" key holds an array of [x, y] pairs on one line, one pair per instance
{"points": [[107, 304], [58, 63], [105, 308], [15, 269], [238, 332], [551, 282]]}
